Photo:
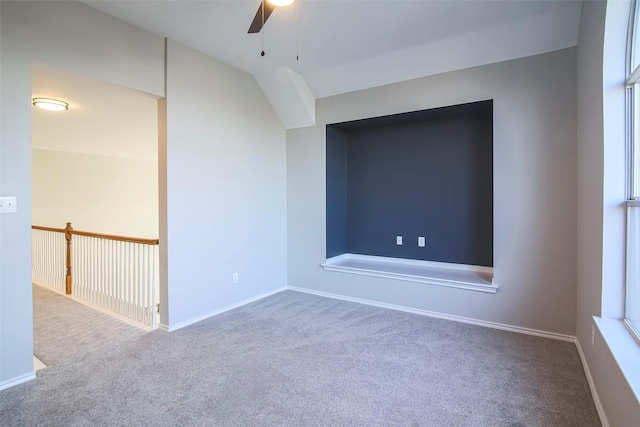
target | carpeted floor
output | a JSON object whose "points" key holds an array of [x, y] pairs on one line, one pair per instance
{"points": [[294, 359], [64, 329]]}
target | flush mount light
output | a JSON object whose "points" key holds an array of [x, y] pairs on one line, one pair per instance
{"points": [[281, 3], [50, 104]]}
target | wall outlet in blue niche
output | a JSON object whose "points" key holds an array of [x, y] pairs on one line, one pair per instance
{"points": [[423, 173]]}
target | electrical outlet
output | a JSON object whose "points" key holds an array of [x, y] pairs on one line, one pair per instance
{"points": [[235, 278], [399, 240], [422, 242]]}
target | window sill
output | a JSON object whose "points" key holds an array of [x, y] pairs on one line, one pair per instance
{"points": [[625, 349], [461, 276]]}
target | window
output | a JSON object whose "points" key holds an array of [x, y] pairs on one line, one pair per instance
{"points": [[632, 296]]}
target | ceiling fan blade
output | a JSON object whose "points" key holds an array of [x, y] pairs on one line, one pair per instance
{"points": [[256, 25]]}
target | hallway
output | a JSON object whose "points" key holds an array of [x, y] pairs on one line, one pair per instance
{"points": [[64, 329]]}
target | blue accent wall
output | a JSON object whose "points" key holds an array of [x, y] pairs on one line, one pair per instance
{"points": [[337, 231], [427, 173]]}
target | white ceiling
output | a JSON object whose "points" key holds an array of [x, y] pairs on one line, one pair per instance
{"points": [[103, 118], [356, 44]]}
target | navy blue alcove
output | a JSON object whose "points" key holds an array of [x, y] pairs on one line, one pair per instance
{"points": [[425, 173]]}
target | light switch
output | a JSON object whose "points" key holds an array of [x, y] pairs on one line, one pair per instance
{"points": [[399, 240], [8, 205], [422, 242]]}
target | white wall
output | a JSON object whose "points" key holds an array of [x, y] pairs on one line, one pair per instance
{"points": [[225, 188], [534, 192], [74, 37], [101, 194], [590, 166], [221, 165], [600, 216]]}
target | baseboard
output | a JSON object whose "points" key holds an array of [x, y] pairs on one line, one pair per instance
{"points": [[592, 387], [57, 291], [37, 364], [17, 380], [180, 325], [484, 323], [113, 314]]}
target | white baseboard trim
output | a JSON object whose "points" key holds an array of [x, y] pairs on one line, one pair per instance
{"points": [[113, 314], [37, 364], [484, 323], [57, 291], [180, 325], [592, 387], [17, 380]]}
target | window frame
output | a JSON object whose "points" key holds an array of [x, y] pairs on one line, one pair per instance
{"points": [[632, 154]]}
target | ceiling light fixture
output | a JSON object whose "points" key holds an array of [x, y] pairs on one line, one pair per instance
{"points": [[281, 3], [50, 104]]}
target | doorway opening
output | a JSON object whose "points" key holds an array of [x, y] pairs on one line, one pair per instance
{"points": [[95, 166]]}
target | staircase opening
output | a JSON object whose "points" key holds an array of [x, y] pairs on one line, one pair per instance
{"points": [[94, 165]]}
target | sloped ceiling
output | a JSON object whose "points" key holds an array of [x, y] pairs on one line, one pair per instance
{"points": [[345, 46], [103, 119]]}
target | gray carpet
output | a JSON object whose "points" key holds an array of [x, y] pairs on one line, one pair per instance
{"points": [[294, 359], [64, 329]]}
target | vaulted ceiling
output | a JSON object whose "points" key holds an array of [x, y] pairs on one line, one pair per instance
{"points": [[351, 45], [103, 119]]}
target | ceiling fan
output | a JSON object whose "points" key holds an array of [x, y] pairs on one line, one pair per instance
{"points": [[264, 12]]}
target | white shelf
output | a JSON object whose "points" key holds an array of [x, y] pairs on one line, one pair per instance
{"points": [[461, 276]]}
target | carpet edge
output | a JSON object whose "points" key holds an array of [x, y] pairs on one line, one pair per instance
{"points": [[196, 319], [592, 387], [17, 380], [468, 320]]}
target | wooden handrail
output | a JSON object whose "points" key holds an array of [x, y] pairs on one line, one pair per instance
{"points": [[55, 230], [118, 238], [68, 234], [100, 235]]}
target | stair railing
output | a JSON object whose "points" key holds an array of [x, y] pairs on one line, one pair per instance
{"points": [[115, 273]]}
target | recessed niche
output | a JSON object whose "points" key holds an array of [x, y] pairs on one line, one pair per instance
{"points": [[425, 174]]}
